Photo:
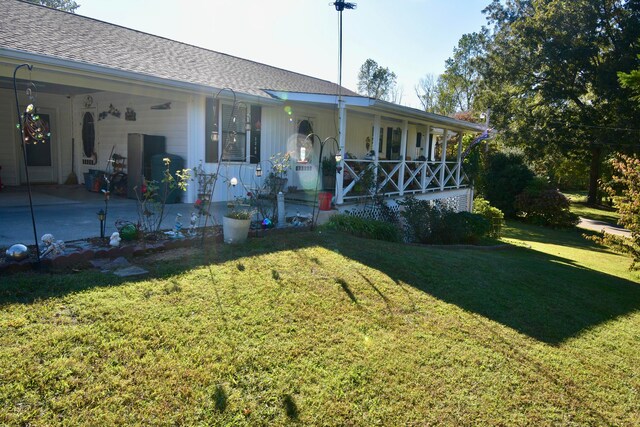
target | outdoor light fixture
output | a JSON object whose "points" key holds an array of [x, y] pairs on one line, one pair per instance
{"points": [[258, 170], [101, 217], [247, 122], [338, 157], [214, 135], [233, 181]]}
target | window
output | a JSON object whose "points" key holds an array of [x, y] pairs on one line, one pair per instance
{"points": [[229, 126], [211, 126], [304, 144], [233, 136]]}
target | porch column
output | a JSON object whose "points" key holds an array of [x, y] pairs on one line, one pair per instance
{"points": [[423, 176], [342, 130], [376, 147], [459, 164], [195, 135], [403, 155], [443, 158]]}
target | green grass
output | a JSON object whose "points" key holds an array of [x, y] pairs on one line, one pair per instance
{"points": [[326, 329], [580, 207]]}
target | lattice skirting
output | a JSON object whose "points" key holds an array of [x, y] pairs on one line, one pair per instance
{"points": [[457, 201]]}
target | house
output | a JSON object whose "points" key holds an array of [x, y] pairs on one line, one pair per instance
{"points": [[96, 84]]}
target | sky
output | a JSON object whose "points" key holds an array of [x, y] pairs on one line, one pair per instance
{"points": [[410, 37]]}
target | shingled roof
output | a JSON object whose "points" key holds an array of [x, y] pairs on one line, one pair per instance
{"points": [[30, 28]]}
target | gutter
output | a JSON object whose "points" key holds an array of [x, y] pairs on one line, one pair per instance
{"points": [[107, 72], [454, 123]]}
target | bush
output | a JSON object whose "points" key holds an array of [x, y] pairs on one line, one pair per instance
{"points": [[494, 216], [366, 228], [624, 188], [426, 222], [538, 204], [505, 177]]}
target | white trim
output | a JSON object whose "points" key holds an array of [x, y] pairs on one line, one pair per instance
{"points": [[120, 75]]}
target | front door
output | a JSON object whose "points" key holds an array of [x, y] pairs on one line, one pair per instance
{"points": [[41, 157]]}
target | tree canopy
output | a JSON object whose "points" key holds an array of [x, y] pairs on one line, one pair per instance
{"points": [[550, 76], [66, 5], [376, 81]]}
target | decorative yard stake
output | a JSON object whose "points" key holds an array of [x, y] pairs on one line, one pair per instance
{"points": [[32, 130]]}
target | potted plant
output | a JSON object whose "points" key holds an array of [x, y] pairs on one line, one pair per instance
{"points": [[236, 223], [277, 179], [329, 173]]}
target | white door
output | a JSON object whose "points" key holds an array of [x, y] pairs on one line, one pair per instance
{"points": [[42, 157]]}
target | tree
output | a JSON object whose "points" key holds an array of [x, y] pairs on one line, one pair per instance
{"points": [[631, 81], [66, 5], [435, 95], [375, 81], [624, 188], [427, 93], [550, 76], [461, 75]]}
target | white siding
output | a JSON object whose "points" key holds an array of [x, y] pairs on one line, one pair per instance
{"points": [[111, 132]]}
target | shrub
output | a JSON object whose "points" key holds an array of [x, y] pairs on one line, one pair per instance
{"points": [[494, 216], [624, 188], [366, 228], [426, 222], [505, 177], [538, 204]]}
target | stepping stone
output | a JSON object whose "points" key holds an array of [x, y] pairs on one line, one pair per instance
{"points": [[130, 271]]}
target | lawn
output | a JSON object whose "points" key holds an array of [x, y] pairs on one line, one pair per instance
{"points": [[580, 207], [325, 329]]}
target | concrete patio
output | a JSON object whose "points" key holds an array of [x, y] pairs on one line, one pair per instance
{"points": [[69, 212]]}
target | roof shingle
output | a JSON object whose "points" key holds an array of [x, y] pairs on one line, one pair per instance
{"points": [[76, 38]]}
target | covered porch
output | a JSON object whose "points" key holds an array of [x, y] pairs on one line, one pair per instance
{"points": [[386, 149]]}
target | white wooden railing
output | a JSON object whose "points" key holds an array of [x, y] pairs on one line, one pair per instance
{"points": [[363, 178]]}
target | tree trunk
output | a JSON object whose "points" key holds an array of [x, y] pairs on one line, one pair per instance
{"points": [[594, 175]]}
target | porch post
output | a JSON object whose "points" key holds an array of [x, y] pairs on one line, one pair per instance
{"points": [[443, 158], [342, 130], [403, 155], [423, 176], [376, 147], [458, 159]]}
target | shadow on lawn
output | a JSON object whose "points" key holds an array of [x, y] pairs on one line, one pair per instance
{"points": [[546, 297]]}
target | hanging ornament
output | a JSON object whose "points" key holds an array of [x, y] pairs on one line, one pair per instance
{"points": [[34, 129]]}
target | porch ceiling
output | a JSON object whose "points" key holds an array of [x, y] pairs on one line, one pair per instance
{"points": [[52, 88]]}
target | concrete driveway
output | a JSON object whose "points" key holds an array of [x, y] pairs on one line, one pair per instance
{"points": [[69, 212], [601, 226]]}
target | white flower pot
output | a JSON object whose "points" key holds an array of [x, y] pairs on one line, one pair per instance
{"points": [[235, 230]]}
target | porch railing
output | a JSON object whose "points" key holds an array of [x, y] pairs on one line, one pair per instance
{"points": [[363, 178]]}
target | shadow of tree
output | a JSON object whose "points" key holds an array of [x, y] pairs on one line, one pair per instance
{"points": [[546, 297]]}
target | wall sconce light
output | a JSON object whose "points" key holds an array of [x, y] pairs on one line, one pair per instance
{"points": [[214, 136], [233, 181], [338, 156], [247, 123], [101, 217], [258, 170]]}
